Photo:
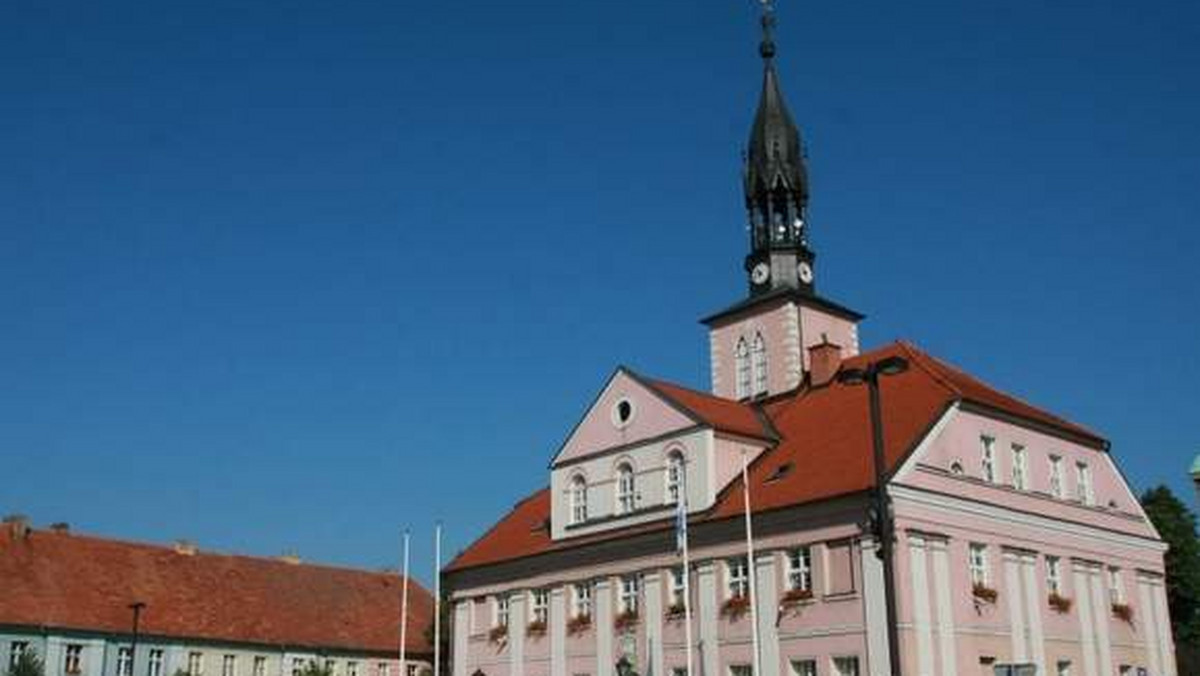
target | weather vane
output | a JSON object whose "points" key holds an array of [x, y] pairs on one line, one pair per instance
{"points": [[767, 47]]}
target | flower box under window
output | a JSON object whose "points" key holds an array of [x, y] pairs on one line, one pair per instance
{"points": [[1059, 603], [536, 628], [1123, 611], [626, 619], [735, 607], [984, 593], [579, 624], [498, 633], [676, 611], [796, 596]]}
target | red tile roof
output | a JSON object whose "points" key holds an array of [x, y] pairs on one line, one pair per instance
{"points": [[824, 433], [721, 414], [79, 582]]}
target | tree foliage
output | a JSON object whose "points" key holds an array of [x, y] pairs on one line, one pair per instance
{"points": [[27, 664], [1177, 526]]}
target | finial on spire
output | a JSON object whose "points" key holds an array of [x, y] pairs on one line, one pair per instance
{"points": [[767, 47]]}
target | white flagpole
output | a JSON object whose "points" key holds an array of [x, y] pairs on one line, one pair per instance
{"points": [[404, 611], [687, 573], [437, 600], [753, 578]]}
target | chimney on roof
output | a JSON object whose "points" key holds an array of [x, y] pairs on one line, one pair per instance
{"points": [[61, 528], [17, 526], [184, 547], [824, 361]]}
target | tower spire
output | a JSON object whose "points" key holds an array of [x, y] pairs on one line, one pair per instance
{"points": [[776, 185]]}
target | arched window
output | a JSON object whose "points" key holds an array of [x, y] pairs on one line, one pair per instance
{"points": [[578, 497], [742, 362], [674, 476], [625, 488], [758, 358]]}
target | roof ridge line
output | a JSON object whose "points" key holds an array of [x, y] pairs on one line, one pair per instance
{"points": [[922, 360]]}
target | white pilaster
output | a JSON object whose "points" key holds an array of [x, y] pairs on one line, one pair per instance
{"points": [[1087, 635], [1102, 612], [1150, 624], [603, 600], [558, 632], [707, 602], [919, 589], [945, 608], [878, 658], [1165, 641], [767, 594], [462, 634], [518, 617], [1013, 596], [1035, 601], [654, 621]]}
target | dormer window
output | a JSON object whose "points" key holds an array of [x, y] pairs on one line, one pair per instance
{"points": [[674, 476], [625, 488], [578, 498], [758, 360], [742, 360]]}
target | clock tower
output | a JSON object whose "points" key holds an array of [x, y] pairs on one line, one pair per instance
{"points": [[768, 343], [776, 187]]}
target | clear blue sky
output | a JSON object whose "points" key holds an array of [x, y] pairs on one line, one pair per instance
{"points": [[294, 275]]}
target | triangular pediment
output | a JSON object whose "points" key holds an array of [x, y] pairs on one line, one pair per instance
{"points": [[626, 412]]}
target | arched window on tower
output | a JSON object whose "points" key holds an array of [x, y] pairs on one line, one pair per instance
{"points": [[674, 476], [758, 358], [741, 355], [578, 497], [625, 489]]}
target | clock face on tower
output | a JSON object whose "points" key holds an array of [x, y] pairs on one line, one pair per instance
{"points": [[805, 272], [760, 274]]}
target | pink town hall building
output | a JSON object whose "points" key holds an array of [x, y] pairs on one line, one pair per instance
{"points": [[1018, 549]]}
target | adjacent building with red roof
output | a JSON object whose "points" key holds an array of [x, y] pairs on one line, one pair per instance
{"points": [[69, 598], [1018, 546]]}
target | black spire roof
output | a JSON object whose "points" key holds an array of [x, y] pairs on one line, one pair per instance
{"points": [[775, 157]]}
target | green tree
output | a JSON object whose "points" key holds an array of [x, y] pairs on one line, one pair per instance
{"points": [[1177, 526], [28, 664]]}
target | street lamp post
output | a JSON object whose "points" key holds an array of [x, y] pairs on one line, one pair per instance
{"points": [[882, 524], [136, 607]]}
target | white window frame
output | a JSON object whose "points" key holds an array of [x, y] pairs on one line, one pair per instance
{"points": [[195, 663], [298, 666], [259, 666], [382, 669], [758, 364], [1084, 490], [73, 658], [987, 462], [845, 665], [626, 488], [799, 569], [742, 377], [803, 667], [581, 599], [741, 670], [676, 589], [1054, 575], [157, 661], [577, 495], [630, 590], [351, 668], [15, 650], [737, 578], [229, 665], [1062, 668], [124, 661], [977, 564], [1020, 467], [501, 611], [674, 476], [1056, 476], [1116, 586], [539, 606]]}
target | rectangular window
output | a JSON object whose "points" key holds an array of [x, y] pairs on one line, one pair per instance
{"points": [[741, 670], [351, 669], [330, 667], [1063, 668], [73, 660], [1125, 670], [677, 587], [260, 667], [988, 460], [124, 662], [501, 612], [845, 666], [410, 669], [804, 668], [1116, 590], [674, 476], [229, 665], [195, 664], [1020, 469], [1056, 477], [1083, 483], [298, 666], [539, 607], [382, 669], [737, 578], [581, 599], [799, 570], [978, 562], [629, 594], [679, 671], [1054, 575], [15, 650], [154, 666]]}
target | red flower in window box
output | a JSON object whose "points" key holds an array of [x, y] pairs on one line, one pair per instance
{"points": [[579, 624], [735, 608], [1060, 603], [984, 593], [676, 611], [796, 596], [1123, 611], [626, 619], [498, 633], [536, 628]]}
